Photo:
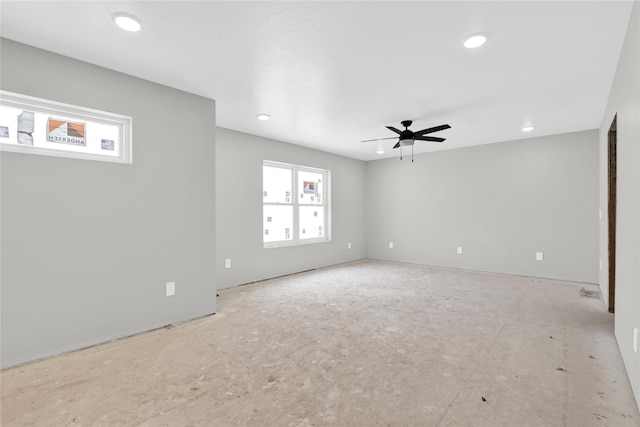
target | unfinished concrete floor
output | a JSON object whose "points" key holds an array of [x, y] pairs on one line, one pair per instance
{"points": [[361, 344]]}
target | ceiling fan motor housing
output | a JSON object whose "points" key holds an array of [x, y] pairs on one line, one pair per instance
{"points": [[406, 138]]}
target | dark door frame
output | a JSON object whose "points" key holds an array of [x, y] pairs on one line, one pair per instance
{"points": [[612, 179]]}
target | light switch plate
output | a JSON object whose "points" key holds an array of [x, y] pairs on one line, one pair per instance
{"points": [[170, 289], [227, 263], [390, 245], [539, 256], [459, 250]]}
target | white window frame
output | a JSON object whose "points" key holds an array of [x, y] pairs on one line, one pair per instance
{"points": [[87, 115], [295, 203]]}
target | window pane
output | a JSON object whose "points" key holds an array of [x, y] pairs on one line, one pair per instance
{"points": [[311, 222], [310, 187], [276, 185], [277, 223], [39, 126]]}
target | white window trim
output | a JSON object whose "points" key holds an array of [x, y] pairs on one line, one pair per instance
{"points": [[123, 123], [296, 241]]}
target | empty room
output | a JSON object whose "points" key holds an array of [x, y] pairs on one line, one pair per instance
{"points": [[320, 213]]}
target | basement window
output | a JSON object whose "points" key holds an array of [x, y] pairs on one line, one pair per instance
{"points": [[295, 204], [38, 126]]}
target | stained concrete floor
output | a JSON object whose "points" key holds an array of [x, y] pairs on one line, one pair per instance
{"points": [[362, 344]]}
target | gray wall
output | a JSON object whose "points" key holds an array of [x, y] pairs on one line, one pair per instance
{"points": [[88, 246], [239, 159], [624, 100], [501, 202]]}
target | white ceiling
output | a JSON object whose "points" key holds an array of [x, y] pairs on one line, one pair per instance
{"points": [[334, 73]]}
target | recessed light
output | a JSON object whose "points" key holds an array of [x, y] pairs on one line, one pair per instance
{"points": [[263, 116], [475, 41], [380, 151], [527, 129], [127, 22]]}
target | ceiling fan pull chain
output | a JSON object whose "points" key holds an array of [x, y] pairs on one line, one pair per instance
{"points": [[412, 154], [401, 152]]}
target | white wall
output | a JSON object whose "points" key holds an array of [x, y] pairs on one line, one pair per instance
{"points": [[624, 100], [239, 158], [88, 246], [501, 202]]}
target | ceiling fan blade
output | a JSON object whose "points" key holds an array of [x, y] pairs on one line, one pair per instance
{"points": [[379, 139], [394, 129], [431, 130], [397, 145], [429, 138]]}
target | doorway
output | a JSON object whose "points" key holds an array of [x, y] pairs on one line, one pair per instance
{"points": [[612, 138]]}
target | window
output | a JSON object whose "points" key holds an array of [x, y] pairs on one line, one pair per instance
{"points": [[38, 126], [295, 204]]}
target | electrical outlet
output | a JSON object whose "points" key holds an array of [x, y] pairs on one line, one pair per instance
{"points": [[459, 250], [539, 256], [390, 245], [227, 263], [635, 340], [170, 289], [349, 245]]}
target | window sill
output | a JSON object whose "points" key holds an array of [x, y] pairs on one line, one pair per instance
{"points": [[288, 244]]}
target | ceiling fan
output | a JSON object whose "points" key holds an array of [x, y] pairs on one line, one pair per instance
{"points": [[407, 137]]}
